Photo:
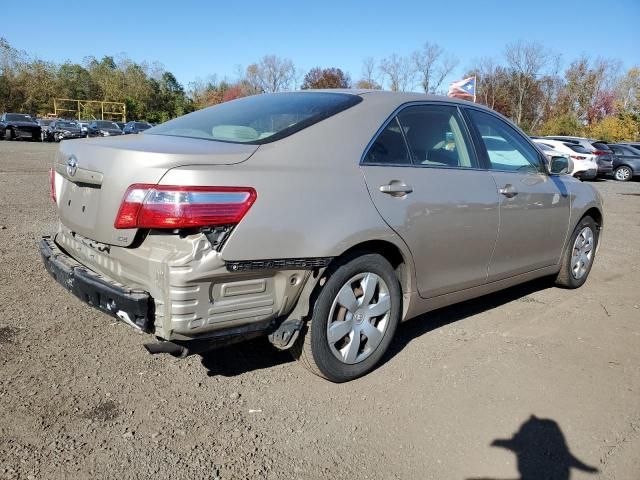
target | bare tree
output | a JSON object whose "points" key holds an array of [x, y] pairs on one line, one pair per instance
{"points": [[400, 72], [271, 74], [369, 79], [433, 65], [369, 71], [526, 61]]}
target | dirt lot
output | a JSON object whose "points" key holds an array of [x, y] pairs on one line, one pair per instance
{"points": [[80, 398]]}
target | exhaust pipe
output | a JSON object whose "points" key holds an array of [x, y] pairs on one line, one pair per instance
{"points": [[167, 347]]}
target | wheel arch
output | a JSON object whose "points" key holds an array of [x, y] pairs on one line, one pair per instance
{"points": [[399, 259]]}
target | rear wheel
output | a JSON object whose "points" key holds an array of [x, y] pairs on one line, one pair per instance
{"points": [[354, 319], [622, 173], [579, 255]]}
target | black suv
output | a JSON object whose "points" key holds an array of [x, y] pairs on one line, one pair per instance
{"points": [[15, 126]]}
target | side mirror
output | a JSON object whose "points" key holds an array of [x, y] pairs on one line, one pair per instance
{"points": [[559, 165]]}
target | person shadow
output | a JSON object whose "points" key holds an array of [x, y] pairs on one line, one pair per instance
{"points": [[541, 452]]}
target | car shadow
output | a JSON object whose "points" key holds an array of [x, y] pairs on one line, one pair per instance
{"points": [[428, 322], [239, 358], [258, 354], [541, 452]]}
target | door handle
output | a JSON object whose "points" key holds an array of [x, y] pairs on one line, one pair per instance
{"points": [[395, 188], [508, 191]]}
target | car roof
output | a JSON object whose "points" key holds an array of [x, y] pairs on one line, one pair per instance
{"points": [[392, 98]]}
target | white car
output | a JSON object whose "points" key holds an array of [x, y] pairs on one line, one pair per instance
{"points": [[585, 165]]}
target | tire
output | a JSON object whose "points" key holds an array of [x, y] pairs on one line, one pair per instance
{"points": [[8, 134], [623, 173], [574, 270], [336, 361]]}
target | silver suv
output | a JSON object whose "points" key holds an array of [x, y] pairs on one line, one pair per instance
{"points": [[320, 219]]}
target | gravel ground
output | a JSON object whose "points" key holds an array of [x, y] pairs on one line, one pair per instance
{"points": [[553, 373]]}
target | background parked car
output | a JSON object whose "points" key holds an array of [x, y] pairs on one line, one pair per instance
{"points": [[136, 127], [84, 126], [44, 127], [103, 128], [15, 126], [583, 164], [626, 162], [635, 145], [598, 148], [62, 130]]}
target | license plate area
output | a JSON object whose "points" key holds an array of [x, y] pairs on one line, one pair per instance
{"points": [[80, 203]]}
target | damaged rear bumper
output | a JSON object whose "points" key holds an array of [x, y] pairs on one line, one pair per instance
{"points": [[132, 306]]}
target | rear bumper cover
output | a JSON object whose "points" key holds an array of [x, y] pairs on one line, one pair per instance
{"points": [[134, 307]]}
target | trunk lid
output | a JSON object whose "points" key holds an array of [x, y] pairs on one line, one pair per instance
{"points": [[91, 176]]}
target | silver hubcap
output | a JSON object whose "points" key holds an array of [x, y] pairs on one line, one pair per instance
{"points": [[622, 174], [358, 318], [582, 254]]}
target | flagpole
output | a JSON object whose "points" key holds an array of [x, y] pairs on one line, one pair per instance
{"points": [[475, 87]]}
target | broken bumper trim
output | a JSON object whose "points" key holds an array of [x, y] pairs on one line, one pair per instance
{"points": [[134, 307], [311, 263]]}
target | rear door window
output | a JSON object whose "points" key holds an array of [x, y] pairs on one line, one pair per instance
{"points": [[437, 137]]}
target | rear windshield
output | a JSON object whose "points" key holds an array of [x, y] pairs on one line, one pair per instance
{"points": [[18, 117], [601, 146], [577, 148], [259, 118], [142, 126]]}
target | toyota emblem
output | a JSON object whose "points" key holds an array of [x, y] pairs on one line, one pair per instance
{"points": [[72, 165]]}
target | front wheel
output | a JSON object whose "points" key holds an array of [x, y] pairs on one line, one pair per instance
{"points": [[8, 134], [623, 173], [579, 255], [354, 319]]}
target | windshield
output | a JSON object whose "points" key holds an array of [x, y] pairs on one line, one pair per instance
{"points": [[66, 124], [258, 119], [18, 117], [105, 124], [142, 126]]}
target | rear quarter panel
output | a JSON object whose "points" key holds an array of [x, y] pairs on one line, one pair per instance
{"points": [[312, 200]]}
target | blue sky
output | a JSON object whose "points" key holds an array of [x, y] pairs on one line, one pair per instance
{"points": [[196, 39]]}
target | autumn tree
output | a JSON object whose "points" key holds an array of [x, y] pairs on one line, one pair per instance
{"points": [[326, 78]]}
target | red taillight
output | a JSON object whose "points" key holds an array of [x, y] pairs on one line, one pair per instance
{"points": [[52, 181], [578, 157], [599, 152], [167, 206]]}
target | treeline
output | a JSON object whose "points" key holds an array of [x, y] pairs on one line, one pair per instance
{"points": [[529, 83]]}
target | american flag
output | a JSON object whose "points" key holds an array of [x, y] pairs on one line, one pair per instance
{"points": [[465, 89]]}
